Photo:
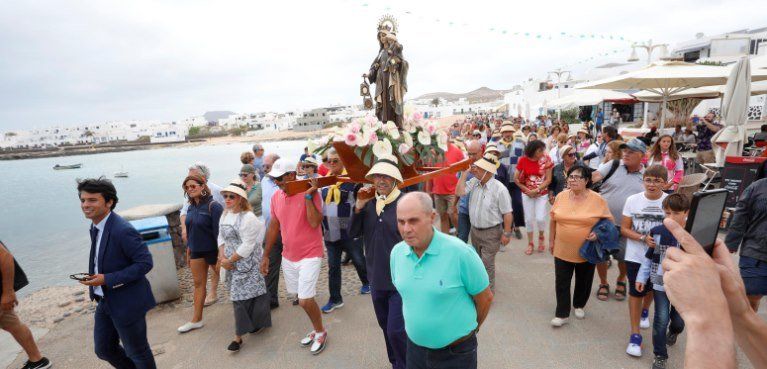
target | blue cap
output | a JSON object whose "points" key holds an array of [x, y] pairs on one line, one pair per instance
{"points": [[635, 145]]}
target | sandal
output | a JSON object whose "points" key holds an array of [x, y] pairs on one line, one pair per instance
{"points": [[541, 241], [530, 247], [603, 293], [620, 291]]}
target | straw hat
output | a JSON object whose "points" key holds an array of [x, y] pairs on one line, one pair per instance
{"points": [[492, 146], [507, 128], [312, 160], [563, 150], [496, 135], [488, 163], [386, 165], [237, 187]]}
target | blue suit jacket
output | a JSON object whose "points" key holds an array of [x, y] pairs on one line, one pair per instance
{"points": [[124, 259]]}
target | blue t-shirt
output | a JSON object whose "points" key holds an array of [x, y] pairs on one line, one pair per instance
{"points": [[202, 225]]}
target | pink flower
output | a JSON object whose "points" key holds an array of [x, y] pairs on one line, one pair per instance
{"points": [[351, 139], [417, 116], [404, 148], [354, 127], [431, 128], [373, 137]]}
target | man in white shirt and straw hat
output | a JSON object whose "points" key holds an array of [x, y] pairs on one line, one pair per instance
{"points": [[376, 222], [489, 210]]}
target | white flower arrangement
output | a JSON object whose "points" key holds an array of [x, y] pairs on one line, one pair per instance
{"points": [[370, 138]]}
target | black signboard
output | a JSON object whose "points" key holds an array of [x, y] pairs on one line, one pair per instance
{"points": [[739, 173]]}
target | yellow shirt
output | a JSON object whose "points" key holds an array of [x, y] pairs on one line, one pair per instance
{"points": [[574, 221]]}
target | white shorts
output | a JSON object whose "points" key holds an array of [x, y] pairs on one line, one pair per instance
{"points": [[301, 276]]}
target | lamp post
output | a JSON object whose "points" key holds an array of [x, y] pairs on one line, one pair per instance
{"points": [[649, 47], [559, 73]]}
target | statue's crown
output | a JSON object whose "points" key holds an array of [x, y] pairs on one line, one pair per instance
{"points": [[388, 23]]}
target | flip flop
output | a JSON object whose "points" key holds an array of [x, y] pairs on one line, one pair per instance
{"points": [[530, 248]]}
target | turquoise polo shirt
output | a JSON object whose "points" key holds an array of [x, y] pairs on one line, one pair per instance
{"points": [[437, 289]]}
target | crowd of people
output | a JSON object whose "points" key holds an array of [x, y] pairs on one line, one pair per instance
{"points": [[426, 254]]}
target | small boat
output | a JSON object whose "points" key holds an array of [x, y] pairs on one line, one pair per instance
{"points": [[72, 166], [121, 175]]}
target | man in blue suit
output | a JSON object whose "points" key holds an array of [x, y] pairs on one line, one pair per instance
{"points": [[119, 261]]}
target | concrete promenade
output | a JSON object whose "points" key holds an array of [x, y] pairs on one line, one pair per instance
{"points": [[516, 334]]}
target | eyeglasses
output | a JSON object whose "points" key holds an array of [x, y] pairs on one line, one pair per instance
{"points": [[334, 161], [308, 166], [244, 175], [191, 187], [656, 181], [575, 177], [229, 197], [570, 155]]}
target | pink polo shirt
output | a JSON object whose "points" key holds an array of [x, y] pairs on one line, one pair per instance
{"points": [[299, 239]]}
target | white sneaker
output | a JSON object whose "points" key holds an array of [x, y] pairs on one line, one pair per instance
{"points": [[189, 326], [580, 313], [635, 346], [320, 340], [309, 339], [558, 322], [644, 323], [503, 248]]}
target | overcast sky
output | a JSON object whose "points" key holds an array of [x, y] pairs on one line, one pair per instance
{"points": [[71, 62]]}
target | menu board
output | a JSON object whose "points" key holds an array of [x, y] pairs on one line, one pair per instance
{"points": [[738, 173]]}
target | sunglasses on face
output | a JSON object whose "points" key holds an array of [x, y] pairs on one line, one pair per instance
{"points": [[570, 155], [229, 197], [191, 187], [334, 161], [244, 175], [308, 166]]}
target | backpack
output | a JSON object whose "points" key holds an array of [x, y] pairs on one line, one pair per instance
{"points": [[596, 187], [19, 278]]}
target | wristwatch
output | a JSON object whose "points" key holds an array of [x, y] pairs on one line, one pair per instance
{"points": [[643, 238], [507, 234]]}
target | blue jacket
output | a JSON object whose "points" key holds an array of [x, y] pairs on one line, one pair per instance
{"points": [[596, 252], [124, 259]]}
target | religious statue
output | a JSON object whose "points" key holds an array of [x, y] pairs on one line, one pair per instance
{"points": [[389, 73]]}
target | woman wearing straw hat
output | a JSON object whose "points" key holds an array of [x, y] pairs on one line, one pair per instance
{"points": [[310, 165], [240, 236], [376, 222], [490, 211]]}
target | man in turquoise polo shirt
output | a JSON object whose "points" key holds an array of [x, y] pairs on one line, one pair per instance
{"points": [[444, 287]]}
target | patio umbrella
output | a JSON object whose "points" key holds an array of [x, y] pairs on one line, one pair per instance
{"points": [[590, 97], [666, 79], [729, 140], [711, 92]]}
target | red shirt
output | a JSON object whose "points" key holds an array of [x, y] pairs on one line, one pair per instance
{"points": [[532, 174], [445, 184], [300, 241], [323, 170]]}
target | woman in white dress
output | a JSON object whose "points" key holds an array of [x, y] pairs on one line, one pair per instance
{"points": [[240, 237]]}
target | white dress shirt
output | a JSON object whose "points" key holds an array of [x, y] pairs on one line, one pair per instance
{"points": [[102, 224]]}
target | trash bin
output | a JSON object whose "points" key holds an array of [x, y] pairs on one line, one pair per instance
{"points": [[163, 278]]}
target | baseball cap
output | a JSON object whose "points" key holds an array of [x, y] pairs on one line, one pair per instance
{"points": [[635, 145]]}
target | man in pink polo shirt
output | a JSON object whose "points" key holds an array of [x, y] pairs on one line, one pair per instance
{"points": [[297, 219]]}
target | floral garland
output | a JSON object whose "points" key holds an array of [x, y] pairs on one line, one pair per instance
{"points": [[371, 138]]}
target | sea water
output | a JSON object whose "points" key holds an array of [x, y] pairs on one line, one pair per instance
{"points": [[40, 217]]}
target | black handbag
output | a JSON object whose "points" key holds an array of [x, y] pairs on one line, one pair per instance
{"points": [[19, 277]]}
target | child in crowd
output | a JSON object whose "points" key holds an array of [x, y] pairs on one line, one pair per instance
{"points": [[676, 207], [641, 213]]}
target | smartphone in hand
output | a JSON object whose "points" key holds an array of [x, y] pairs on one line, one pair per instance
{"points": [[705, 216]]}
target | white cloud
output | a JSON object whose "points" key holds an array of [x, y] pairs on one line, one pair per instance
{"points": [[65, 62]]}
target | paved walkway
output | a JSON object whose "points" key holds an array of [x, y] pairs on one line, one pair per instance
{"points": [[516, 334]]}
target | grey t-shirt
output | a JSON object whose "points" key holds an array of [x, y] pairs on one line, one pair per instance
{"points": [[619, 187]]}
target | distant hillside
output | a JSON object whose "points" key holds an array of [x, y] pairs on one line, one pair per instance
{"points": [[482, 94], [214, 116]]}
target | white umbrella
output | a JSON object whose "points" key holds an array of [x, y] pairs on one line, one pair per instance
{"points": [[734, 113], [666, 79], [712, 92], [588, 97]]}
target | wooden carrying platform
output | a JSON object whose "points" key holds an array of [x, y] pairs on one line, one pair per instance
{"points": [[356, 171]]}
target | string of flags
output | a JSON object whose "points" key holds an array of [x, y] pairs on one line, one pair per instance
{"points": [[511, 32]]}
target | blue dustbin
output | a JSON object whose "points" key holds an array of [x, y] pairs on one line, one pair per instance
{"points": [[163, 278]]}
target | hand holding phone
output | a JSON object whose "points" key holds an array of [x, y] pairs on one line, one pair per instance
{"points": [[80, 276]]}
